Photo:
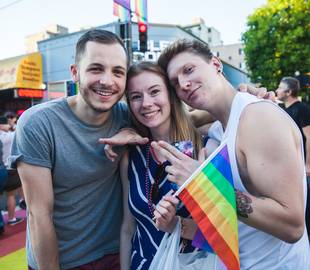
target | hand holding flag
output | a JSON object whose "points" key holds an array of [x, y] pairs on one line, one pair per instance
{"points": [[209, 196]]}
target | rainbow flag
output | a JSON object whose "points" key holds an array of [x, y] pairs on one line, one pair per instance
{"points": [[121, 9], [210, 198], [141, 10]]}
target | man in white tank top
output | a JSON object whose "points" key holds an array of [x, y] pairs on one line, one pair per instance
{"points": [[266, 155]]}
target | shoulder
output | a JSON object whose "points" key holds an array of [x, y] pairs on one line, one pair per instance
{"points": [[121, 108], [263, 111], [304, 107], [40, 111], [40, 116], [264, 121], [121, 112]]}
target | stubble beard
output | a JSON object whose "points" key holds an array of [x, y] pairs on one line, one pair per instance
{"points": [[85, 93]]}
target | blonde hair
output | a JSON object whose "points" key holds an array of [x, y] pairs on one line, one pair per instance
{"points": [[181, 128]]}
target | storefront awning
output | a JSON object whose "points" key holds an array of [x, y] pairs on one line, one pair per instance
{"points": [[22, 72]]}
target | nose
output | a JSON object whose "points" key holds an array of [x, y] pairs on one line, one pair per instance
{"points": [[106, 79], [147, 101], [184, 83]]}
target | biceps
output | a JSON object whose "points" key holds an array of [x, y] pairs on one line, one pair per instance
{"points": [[37, 187], [276, 173]]}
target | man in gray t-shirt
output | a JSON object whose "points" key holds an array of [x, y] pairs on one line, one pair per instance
{"points": [[73, 192]]}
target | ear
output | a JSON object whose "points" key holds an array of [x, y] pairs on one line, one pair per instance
{"points": [[217, 63], [74, 72]]}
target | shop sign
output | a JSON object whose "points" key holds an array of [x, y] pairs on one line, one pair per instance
{"points": [[22, 72], [30, 93]]}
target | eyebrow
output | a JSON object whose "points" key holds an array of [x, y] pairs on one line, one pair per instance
{"points": [[154, 86], [101, 65]]}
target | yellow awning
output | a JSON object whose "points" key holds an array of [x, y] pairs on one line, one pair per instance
{"points": [[22, 72]]}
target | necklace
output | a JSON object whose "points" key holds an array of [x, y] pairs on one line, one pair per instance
{"points": [[152, 191]]}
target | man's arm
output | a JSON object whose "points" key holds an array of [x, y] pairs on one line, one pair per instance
{"points": [[306, 131], [128, 224], [271, 163], [38, 191]]}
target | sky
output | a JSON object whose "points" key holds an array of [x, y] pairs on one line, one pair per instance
{"points": [[20, 18]]}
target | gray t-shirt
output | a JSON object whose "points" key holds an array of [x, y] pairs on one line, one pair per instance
{"points": [[87, 187]]}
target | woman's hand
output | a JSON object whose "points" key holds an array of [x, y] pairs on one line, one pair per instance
{"points": [[165, 213]]}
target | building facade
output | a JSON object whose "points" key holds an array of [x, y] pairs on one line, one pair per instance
{"points": [[58, 53], [232, 54]]}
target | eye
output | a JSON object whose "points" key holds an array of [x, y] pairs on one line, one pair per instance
{"points": [[188, 70], [119, 73], [135, 97], [154, 92], [95, 69]]}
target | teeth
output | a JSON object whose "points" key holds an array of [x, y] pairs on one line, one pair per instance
{"points": [[149, 115], [103, 93]]}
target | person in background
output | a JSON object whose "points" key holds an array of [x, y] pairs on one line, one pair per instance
{"points": [[287, 92], [267, 163], [12, 119], [3, 180], [13, 183]]}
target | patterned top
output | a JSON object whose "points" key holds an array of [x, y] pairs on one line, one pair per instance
{"points": [[147, 237]]}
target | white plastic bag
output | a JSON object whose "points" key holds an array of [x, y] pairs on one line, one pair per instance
{"points": [[168, 257]]}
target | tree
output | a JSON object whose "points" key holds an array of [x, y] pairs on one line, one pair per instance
{"points": [[277, 41]]}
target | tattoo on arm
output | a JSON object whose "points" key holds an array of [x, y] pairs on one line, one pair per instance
{"points": [[244, 204]]}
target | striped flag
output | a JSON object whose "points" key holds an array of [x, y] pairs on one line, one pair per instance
{"points": [[210, 198], [141, 10], [121, 9]]}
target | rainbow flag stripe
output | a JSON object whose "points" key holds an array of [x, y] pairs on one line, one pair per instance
{"points": [[141, 10], [210, 198], [122, 13]]}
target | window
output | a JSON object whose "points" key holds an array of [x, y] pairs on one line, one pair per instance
{"points": [[209, 30], [240, 65], [240, 51], [218, 54], [229, 57], [209, 40]]}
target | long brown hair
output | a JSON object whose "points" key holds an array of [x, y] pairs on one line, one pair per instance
{"points": [[181, 128]]}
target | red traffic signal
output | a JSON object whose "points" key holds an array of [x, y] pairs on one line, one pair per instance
{"points": [[142, 27]]}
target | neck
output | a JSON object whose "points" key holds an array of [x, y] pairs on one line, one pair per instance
{"points": [[85, 113], [222, 106], [161, 132], [290, 101]]}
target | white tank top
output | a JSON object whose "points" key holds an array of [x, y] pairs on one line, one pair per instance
{"points": [[259, 250]]}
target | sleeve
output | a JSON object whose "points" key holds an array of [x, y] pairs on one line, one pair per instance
{"points": [[305, 114], [31, 142]]}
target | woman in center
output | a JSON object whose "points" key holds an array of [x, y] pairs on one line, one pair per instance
{"points": [[159, 115]]}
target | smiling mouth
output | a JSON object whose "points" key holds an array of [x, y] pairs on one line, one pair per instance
{"points": [[149, 115], [103, 93]]}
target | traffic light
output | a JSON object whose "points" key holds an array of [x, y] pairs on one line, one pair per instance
{"points": [[142, 27]]}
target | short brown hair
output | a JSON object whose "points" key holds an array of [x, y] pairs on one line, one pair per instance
{"points": [[100, 36], [292, 84], [184, 45]]}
